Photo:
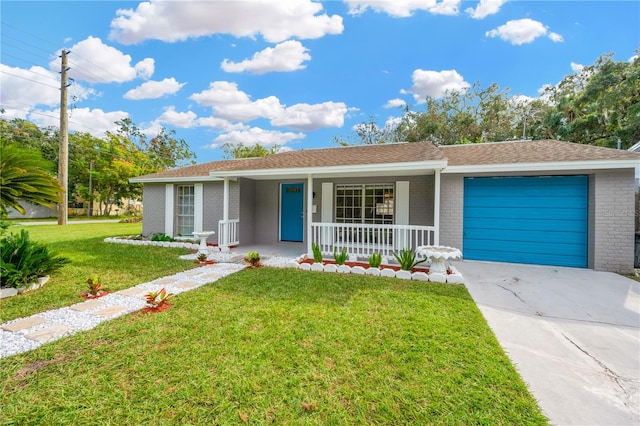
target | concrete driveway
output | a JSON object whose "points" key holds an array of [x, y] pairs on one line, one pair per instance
{"points": [[573, 334]]}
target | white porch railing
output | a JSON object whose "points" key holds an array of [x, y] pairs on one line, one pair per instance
{"points": [[364, 239], [228, 232]]}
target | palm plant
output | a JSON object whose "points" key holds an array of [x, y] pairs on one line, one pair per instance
{"points": [[24, 176]]}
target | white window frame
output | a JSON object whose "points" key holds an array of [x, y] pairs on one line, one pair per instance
{"points": [[185, 209], [359, 203]]}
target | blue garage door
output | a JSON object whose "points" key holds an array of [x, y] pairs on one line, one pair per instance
{"points": [[539, 220]]}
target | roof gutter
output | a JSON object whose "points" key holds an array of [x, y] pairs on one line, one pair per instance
{"points": [[334, 170], [174, 179], [542, 167]]}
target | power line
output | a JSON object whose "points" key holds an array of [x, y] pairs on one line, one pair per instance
{"points": [[28, 79]]}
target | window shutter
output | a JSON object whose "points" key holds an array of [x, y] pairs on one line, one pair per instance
{"points": [[402, 203], [169, 202], [327, 202], [198, 207]]}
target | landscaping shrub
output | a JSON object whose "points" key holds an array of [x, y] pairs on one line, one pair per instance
{"points": [[22, 261], [407, 259], [317, 254], [161, 237]]}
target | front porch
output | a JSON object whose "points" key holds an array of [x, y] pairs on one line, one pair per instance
{"points": [[409, 207]]}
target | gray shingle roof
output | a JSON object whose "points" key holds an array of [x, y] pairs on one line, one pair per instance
{"points": [[540, 151]]}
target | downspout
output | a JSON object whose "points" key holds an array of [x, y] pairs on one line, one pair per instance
{"points": [[436, 208], [309, 211]]}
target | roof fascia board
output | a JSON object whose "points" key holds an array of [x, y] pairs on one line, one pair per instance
{"points": [[175, 179], [551, 166], [359, 168]]}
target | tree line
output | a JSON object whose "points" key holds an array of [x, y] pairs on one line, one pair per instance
{"points": [[99, 168], [597, 105]]}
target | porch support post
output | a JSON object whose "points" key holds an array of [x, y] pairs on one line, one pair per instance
{"points": [[436, 208], [309, 211], [224, 238]]}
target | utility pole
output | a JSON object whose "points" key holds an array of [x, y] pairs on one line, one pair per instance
{"points": [[63, 157], [90, 206]]}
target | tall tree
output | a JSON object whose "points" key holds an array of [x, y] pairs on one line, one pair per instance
{"points": [[164, 149], [369, 133], [474, 115], [600, 104]]}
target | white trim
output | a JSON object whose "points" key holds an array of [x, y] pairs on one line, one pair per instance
{"points": [[327, 202], [224, 239], [419, 166], [308, 213], [402, 198], [550, 166], [198, 207], [436, 209], [176, 179], [169, 202]]}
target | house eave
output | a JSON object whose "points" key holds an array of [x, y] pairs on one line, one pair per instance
{"points": [[174, 179], [404, 168], [544, 167]]}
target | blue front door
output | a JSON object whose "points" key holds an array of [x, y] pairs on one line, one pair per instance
{"points": [[292, 212]]}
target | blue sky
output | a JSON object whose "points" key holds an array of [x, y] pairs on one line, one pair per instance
{"points": [[291, 73]]}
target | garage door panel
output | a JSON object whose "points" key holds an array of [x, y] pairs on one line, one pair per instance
{"points": [[567, 202], [558, 248], [523, 213], [538, 259], [563, 236], [526, 226], [540, 220]]}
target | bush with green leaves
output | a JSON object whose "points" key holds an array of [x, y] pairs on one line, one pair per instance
{"points": [[161, 236], [375, 260], [22, 260], [340, 257], [407, 259]]}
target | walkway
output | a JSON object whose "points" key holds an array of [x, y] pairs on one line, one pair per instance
{"points": [[25, 334]]}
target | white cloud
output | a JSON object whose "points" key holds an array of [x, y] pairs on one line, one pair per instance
{"points": [[522, 31], [172, 21], [93, 61], [403, 8], [633, 58], [286, 56], [576, 68], [215, 122], [312, 117], [23, 89], [395, 103], [556, 38], [145, 68], [256, 135], [230, 104], [435, 84], [154, 89], [485, 8], [183, 120], [94, 121]]}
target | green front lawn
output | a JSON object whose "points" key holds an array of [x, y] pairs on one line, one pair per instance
{"points": [[118, 266], [268, 346]]}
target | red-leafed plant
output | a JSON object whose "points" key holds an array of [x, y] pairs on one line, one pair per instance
{"points": [[158, 300]]}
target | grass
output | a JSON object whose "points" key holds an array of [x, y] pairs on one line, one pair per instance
{"points": [[118, 266], [268, 346]]}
